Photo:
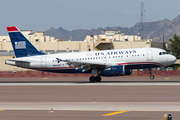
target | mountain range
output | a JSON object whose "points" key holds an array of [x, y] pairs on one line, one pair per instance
{"points": [[152, 30]]}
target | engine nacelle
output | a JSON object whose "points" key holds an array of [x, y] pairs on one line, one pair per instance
{"points": [[115, 71]]}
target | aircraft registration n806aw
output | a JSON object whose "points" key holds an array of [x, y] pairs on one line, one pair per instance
{"points": [[118, 62]]}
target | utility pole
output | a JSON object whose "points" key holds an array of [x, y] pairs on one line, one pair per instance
{"points": [[141, 30], [164, 45]]}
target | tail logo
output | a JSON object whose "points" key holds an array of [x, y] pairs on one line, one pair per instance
{"points": [[20, 45], [58, 60]]}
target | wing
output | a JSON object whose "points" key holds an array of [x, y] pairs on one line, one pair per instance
{"points": [[86, 65]]}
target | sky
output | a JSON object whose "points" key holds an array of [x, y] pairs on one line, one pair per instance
{"points": [[41, 15]]}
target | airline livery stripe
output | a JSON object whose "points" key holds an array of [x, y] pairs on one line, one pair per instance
{"points": [[11, 29], [140, 63], [55, 68]]}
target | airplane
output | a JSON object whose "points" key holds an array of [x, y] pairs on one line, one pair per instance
{"points": [[119, 62]]}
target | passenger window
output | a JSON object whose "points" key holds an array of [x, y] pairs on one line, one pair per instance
{"points": [[160, 53]]}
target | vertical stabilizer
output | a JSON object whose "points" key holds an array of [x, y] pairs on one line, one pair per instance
{"points": [[21, 45]]}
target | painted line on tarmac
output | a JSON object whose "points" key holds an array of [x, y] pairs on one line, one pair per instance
{"points": [[45, 78], [95, 84], [1, 110], [114, 113]]}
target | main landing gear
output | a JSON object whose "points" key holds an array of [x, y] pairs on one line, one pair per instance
{"points": [[150, 72], [95, 79]]}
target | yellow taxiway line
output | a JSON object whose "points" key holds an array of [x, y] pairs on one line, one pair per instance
{"points": [[1, 110], [114, 113]]}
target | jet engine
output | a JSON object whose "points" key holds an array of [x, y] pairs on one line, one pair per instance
{"points": [[115, 71]]}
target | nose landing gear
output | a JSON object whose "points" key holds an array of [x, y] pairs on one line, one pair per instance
{"points": [[150, 72]]}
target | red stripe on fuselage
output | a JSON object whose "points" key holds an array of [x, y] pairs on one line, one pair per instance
{"points": [[54, 68], [12, 29], [140, 63]]}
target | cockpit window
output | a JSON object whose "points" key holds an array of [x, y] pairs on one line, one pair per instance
{"points": [[163, 53]]}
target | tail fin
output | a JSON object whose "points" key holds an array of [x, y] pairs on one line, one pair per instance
{"points": [[21, 45]]}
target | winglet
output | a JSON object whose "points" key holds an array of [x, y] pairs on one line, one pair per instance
{"points": [[12, 29]]}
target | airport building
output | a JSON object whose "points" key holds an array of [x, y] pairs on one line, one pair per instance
{"points": [[108, 39]]}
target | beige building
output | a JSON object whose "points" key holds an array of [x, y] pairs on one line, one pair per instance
{"points": [[108, 39], [115, 39]]}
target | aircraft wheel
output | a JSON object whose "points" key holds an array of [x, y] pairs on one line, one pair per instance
{"points": [[92, 79], [151, 77], [98, 79]]}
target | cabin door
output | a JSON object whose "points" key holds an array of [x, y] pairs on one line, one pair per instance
{"points": [[149, 54]]}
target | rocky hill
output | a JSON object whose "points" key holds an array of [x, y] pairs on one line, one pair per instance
{"points": [[152, 30]]}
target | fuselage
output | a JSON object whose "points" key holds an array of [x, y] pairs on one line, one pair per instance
{"points": [[135, 58]]}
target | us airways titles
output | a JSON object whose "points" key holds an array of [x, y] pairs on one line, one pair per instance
{"points": [[116, 52]]}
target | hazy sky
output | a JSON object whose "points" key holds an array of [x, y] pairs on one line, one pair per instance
{"points": [[40, 15]]}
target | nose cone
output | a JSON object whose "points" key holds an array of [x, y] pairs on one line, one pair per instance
{"points": [[173, 59]]}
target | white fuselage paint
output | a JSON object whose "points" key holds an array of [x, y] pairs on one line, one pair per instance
{"points": [[132, 56]]}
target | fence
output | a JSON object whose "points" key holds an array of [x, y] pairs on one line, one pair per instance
{"points": [[48, 74]]}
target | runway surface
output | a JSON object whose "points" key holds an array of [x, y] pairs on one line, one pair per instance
{"points": [[82, 115], [124, 99]]}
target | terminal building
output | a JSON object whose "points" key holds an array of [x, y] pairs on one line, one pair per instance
{"points": [[107, 39]]}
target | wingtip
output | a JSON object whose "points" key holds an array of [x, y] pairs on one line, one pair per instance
{"points": [[12, 29]]}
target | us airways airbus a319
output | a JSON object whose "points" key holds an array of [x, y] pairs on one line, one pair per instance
{"points": [[118, 62]]}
